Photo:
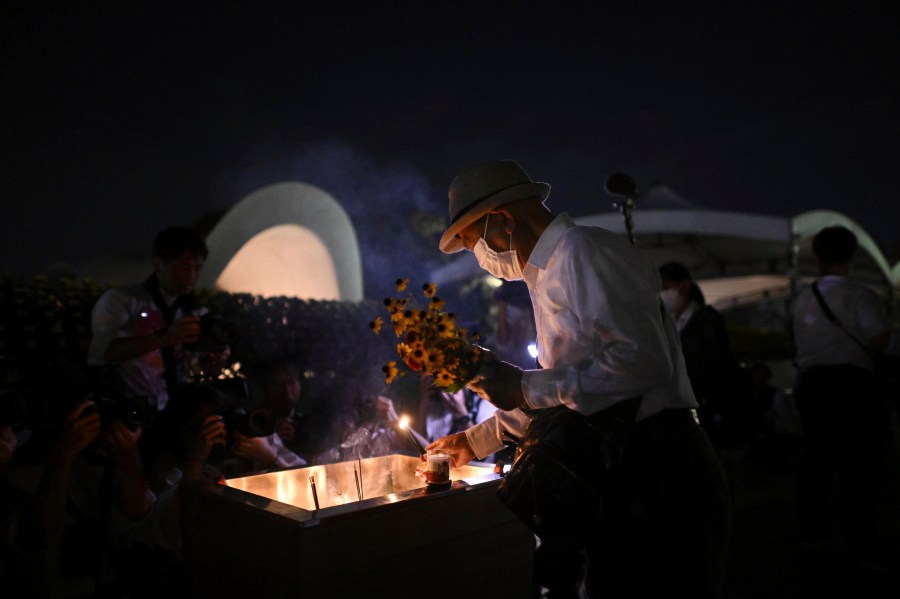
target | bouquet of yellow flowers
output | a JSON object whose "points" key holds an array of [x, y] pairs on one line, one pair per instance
{"points": [[431, 343]]}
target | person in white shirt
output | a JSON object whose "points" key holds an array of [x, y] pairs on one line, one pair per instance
{"points": [[610, 353], [844, 417], [140, 330]]}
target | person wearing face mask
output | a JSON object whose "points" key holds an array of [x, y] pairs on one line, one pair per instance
{"points": [[720, 385], [611, 361]]}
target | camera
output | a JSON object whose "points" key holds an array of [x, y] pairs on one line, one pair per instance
{"points": [[48, 401], [256, 422], [250, 421], [133, 412]]}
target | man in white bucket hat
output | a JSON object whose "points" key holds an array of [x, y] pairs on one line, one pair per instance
{"points": [[613, 385]]}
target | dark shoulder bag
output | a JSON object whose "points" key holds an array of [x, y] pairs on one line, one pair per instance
{"points": [[563, 463]]}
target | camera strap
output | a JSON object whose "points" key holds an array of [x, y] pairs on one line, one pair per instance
{"points": [[170, 365]]}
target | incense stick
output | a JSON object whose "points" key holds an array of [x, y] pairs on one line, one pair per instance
{"points": [[312, 485], [362, 495], [414, 440], [404, 426], [358, 488]]}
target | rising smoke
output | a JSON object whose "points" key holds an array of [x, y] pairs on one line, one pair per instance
{"points": [[396, 217]]}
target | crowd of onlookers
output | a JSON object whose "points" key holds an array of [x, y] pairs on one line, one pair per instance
{"points": [[93, 456], [95, 449], [89, 494]]}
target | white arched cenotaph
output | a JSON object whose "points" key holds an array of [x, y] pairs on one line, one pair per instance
{"points": [[286, 239]]}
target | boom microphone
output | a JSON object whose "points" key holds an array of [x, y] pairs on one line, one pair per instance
{"points": [[620, 184]]}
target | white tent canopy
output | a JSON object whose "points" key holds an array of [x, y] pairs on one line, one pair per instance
{"points": [[735, 257]]}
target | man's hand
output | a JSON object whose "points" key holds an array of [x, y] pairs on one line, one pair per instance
{"points": [[457, 445], [120, 440], [253, 448], [285, 429], [210, 434], [183, 330], [501, 385], [146, 339], [80, 428]]}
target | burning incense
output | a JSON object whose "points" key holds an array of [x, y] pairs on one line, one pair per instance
{"points": [[358, 487], [312, 485], [362, 495], [404, 426]]}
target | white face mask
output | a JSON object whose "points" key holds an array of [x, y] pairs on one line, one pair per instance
{"points": [[503, 265], [671, 299]]}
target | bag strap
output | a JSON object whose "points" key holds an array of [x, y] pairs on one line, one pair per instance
{"points": [[834, 319]]}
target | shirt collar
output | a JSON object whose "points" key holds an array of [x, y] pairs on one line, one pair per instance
{"points": [[546, 243], [829, 281], [169, 299], [686, 315]]}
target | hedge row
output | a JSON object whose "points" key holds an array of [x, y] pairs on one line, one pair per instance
{"points": [[45, 321]]}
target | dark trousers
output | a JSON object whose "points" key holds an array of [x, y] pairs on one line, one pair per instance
{"points": [[845, 430], [666, 520]]}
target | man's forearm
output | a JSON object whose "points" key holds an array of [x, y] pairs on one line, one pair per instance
{"points": [[132, 487], [121, 349]]}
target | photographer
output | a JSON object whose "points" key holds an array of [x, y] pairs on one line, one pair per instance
{"points": [[73, 494], [277, 386], [253, 440], [196, 439], [141, 329]]}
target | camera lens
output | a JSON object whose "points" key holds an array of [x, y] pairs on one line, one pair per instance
{"points": [[137, 411]]}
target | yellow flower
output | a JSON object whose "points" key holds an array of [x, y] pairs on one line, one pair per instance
{"points": [[390, 372], [445, 328], [429, 340], [376, 325], [433, 360], [403, 350], [444, 378]]}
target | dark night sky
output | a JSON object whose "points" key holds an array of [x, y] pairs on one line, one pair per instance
{"points": [[124, 120]]}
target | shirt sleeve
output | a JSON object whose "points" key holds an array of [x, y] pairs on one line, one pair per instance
{"points": [[284, 457], [487, 437], [609, 339], [109, 317]]}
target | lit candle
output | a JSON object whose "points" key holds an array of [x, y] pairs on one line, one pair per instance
{"points": [[404, 425]]}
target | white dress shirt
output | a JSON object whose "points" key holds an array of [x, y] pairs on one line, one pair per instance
{"points": [[602, 336], [819, 341], [129, 312]]}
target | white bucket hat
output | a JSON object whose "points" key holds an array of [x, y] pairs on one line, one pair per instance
{"points": [[482, 188]]}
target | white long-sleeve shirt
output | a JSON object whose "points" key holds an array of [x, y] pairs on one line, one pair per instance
{"points": [[602, 337]]}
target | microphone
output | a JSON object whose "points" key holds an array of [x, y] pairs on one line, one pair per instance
{"points": [[620, 184]]}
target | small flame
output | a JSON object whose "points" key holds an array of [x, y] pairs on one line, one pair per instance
{"points": [[404, 422]]}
